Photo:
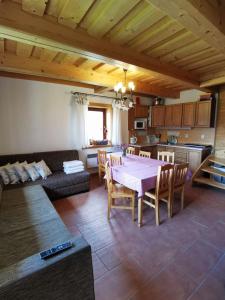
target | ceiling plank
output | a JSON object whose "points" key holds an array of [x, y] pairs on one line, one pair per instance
{"points": [[24, 27], [2, 46], [199, 17], [73, 11], [139, 19], [24, 49], [32, 66], [107, 12], [47, 55], [36, 7]]}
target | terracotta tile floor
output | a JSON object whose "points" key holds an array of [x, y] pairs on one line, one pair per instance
{"points": [[183, 258]]}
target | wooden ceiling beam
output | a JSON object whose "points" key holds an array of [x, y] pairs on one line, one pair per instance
{"points": [[18, 25], [9, 62], [45, 79], [199, 17], [213, 82]]}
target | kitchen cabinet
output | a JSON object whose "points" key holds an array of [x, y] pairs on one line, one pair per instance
{"points": [[191, 114], [203, 114], [183, 155], [173, 115], [188, 116], [131, 119], [141, 111], [177, 115], [158, 116]]}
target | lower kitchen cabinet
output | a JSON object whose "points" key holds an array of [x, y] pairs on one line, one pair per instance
{"points": [[184, 155]]}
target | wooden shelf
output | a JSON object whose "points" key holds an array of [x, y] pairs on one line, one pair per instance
{"points": [[213, 171], [210, 182], [217, 160]]}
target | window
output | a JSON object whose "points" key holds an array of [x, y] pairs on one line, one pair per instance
{"points": [[97, 123]]}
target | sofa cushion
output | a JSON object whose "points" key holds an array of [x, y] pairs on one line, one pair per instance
{"points": [[54, 159], [60, 179]]}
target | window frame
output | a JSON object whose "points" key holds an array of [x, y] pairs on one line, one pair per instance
{"points": [[103, 110]]}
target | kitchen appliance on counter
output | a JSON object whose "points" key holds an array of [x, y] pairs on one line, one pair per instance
{"points": [[153, 139], [133, 140], [140, 124], [172, 139]]}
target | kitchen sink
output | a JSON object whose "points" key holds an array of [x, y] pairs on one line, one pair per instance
{"points": [[197, 145]]}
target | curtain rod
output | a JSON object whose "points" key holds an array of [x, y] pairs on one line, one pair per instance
{"points": [[93, 95]]}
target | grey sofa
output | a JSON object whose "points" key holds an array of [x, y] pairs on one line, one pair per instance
{"points": [[57, 185], [28, 225]]}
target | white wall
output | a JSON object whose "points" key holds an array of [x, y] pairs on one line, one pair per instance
{"points": [[185, 96], [36, 116]]}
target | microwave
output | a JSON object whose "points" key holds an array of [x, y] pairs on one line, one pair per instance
{"points": [[140, 124]]}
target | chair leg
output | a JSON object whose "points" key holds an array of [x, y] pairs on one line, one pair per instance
{"points": [[157, 217], [133, 208], [109, 205], [182, 198], [170, 205], [140, 207]]}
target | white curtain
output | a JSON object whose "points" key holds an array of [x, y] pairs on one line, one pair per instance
{"points": [[116, 126], [79, 122]]}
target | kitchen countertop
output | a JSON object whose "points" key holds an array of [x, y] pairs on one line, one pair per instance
{"points": [[179, 145]]}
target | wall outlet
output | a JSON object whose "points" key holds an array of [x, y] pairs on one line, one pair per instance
{"points": [[186, 135], [202, 136]]}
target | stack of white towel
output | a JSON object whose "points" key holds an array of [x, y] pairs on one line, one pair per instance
{"points": [[73, 166]]}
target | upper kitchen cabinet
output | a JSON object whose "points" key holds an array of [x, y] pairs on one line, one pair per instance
{"points": [[131, 113], [141, 111], [158, 116], [203, 116], [173, 115], [188, 117]]}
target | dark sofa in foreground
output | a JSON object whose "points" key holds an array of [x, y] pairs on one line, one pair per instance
{"points": [[29, 224], [59, 184]]}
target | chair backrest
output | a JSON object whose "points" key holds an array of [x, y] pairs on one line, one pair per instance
{"points": [[166, 156], [130, 150], [145, 154], [108, 176], [164, 181], [115, 160], [102, 157], [180, 174]]}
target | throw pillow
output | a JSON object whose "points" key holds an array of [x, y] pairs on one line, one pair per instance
{"points": [[21, 171], [31, 170], [13, 176], [43, 169], [4, 175]]}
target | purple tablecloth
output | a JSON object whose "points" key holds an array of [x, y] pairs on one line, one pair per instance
{"points": [[137, 173]]}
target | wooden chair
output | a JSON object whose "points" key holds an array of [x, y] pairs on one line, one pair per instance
{"points": [[164, 189], [118, 191], [101, 162], [180, 175], [145, 154], [115, 160], [166, 156], [131, 150]]}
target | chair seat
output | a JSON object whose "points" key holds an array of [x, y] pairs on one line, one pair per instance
{"points": [[151, 194], [119, 190]]}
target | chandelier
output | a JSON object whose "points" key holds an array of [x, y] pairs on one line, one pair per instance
{"points": [[124, 93]]}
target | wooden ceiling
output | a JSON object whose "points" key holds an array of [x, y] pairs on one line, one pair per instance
{"points": [[167, 46]]}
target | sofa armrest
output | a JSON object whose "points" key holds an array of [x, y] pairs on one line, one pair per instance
{"points": [[68, 275]]}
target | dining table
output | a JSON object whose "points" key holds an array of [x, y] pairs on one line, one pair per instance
{"points": [[137, 173]]}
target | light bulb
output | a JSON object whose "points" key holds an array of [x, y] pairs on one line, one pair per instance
{"points": [[131, 85], [116, 88], [120, 85], [123, 89]]}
